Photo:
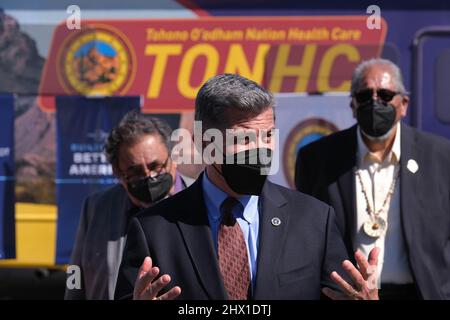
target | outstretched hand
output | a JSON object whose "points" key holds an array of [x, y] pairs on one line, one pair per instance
{"points": [[364, 279], [147, 286]]}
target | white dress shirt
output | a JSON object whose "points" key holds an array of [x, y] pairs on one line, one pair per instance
{"points": [[377, 176]]}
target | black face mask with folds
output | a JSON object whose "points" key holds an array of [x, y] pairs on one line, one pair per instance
{"points": [[246, 172], [376, 118], [151, 189]]}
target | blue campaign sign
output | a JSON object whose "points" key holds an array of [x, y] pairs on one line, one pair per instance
{"points": [[7, 222], [83, 125]]}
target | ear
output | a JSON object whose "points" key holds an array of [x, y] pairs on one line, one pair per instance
{"points": [[116, 171], [353, 107], [198, 145], [404, 105], [173, 166]]}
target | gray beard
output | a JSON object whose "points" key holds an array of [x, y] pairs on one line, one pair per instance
{"points": [[380, 138]]}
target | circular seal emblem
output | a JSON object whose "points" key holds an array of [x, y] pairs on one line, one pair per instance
{"points": [[97, 60], [276, 221], [303, 133]]}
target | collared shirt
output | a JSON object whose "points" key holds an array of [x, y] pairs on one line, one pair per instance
{"points": [[178, 185], [377, 176], [248, 219]]}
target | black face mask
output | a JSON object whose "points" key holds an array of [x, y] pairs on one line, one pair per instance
{"points": [[376, 118], [151, 189], [246, 172]]}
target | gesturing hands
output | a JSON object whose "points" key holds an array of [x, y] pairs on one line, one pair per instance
{"points": [[147, 288], [364, 279]]}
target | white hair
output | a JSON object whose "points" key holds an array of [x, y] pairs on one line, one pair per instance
{"points": [[358, 74]]}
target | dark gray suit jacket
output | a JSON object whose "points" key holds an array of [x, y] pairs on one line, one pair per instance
{"points": [[326, 170], [294, 259], [99, 243]]}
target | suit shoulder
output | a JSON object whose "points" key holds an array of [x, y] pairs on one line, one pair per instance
{"points": [[305, 210], [98, 202], [299, 198], [110, 192]]}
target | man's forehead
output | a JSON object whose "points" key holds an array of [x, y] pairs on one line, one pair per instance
{"points": [[148, 147], [378, 76], [264, 120], [249, 127]]}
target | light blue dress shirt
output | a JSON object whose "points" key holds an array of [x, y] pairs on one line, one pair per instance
{"points": [[248, 219]]}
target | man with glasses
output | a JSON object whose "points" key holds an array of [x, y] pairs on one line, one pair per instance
{"points": [[389, 185], [139, 152]]}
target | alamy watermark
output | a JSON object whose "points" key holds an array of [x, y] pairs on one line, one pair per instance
{"points": [[73, 22], [374, 20]]}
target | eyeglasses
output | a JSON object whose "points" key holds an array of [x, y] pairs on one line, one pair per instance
{"points": [[366, 95], [153, 169]]}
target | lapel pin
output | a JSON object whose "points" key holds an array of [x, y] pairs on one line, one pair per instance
{"points": [[276, 221], [412, 165]]}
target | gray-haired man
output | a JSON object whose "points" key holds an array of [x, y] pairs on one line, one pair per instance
{"points": [[389, 185]]}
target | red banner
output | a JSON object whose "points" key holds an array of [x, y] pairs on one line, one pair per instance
{"points": [[166, 61]]}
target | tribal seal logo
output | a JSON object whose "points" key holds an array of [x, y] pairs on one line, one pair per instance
{"points": [[97, 60]]}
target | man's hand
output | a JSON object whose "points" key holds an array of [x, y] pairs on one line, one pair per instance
{"points": [[364, 279], [147, 288]]}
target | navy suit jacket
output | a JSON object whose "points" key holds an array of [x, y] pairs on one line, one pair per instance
{"points": [[325, 169], [294, 260]]}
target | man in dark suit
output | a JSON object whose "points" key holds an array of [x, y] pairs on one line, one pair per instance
{"points": [[137, 148], [232, 234], [389, 185]]}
